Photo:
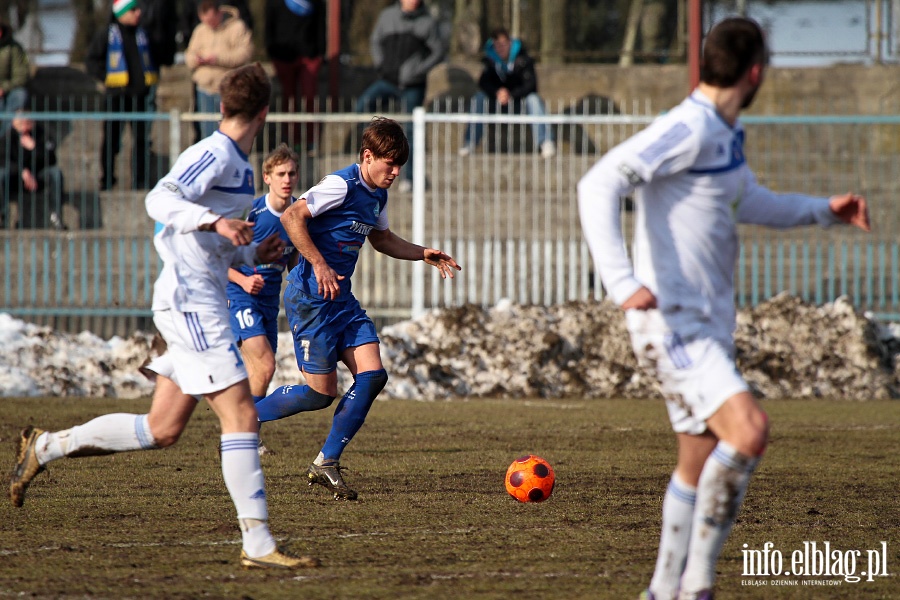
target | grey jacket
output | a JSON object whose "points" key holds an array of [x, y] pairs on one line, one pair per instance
{"points": [[406, 46]]}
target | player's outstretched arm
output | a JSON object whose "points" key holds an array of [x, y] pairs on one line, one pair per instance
{"points": [[387, 242], [852, 209]]}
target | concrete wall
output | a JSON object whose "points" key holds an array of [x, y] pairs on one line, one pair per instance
{"points": [[842, 89]]}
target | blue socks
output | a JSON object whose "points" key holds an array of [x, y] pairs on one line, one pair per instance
{"points": [[289, 400], [352, 410]]}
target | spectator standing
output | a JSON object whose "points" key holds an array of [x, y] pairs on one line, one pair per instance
{"points": [[406, 44], [508, 83], [14, 75], [162, 30], [190, 19], [28, 173], [295, 41], [220, 42], [120, 57]]}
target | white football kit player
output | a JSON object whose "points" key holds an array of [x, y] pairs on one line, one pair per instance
{"points": [[211, 179], [692, 186]]}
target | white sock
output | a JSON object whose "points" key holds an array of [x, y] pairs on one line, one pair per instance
{"points": [[117, 432], [257, 539], [246, 485], [677, 518], [720, 492]]}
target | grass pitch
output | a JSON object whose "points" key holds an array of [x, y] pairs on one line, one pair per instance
{"points": [[433, 519]]}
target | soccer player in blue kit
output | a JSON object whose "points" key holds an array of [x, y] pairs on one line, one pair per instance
{"points": [[329, 225], [692, 186], [254, 292], [201, 205]]}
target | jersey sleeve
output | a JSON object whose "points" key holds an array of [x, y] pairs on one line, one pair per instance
{"points": [[326, 195], [173, 201], [666, 147], [599, 203], [761, 206], [382, 223]]}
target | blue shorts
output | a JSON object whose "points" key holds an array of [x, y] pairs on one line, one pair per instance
{"points": [[254, 315], [323, 329]]}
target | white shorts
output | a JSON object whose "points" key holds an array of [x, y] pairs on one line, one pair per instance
{"points": [[204, 356], [696, 372]]}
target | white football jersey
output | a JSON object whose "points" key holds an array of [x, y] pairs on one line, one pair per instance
{"points": [[692, 186], [212, 178]]}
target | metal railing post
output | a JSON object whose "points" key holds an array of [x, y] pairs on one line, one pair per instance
{"points": [[418, 208], [174, 136]]}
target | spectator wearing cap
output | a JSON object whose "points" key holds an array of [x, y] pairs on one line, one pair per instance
{"points": [[120, 57], [14, 75]]}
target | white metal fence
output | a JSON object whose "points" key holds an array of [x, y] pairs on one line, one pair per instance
{"points": [[506, 213]]}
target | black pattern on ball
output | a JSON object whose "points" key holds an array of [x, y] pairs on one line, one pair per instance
{"points": [[530, 478]]}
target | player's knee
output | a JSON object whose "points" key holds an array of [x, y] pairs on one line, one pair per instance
{"points": [[754, 435], [318, 400], [164, 439], [376, 380], [761, 434], [268, 370], [166, 435]]}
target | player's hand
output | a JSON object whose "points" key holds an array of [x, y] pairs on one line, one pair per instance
{"points": [[253, 284], [328, 280], [643, 299], [270, 249], [851, 208], [240, 232], [442, 262]]}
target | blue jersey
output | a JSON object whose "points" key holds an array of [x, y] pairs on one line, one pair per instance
{"points": [[344, 212], [266, 222]]}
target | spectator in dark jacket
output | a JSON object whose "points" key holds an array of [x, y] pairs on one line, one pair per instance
{"points": [[508, 83], [14, 75], [295, 41], [162, 30], [120, 57], [406, 44], [28, 173]]}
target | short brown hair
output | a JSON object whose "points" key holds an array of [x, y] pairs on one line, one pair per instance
{"points": [[731, 47], [280, 155], [385, 138], [245, 92], [204, 6]]}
